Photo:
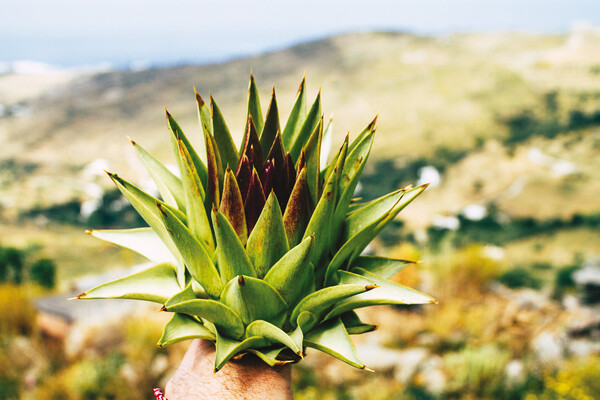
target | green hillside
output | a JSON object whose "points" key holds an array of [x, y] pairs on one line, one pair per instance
{"points": [[472, 105]]}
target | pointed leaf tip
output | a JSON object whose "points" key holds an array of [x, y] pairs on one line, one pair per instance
{"points": [[163, 308], [199, 98]]}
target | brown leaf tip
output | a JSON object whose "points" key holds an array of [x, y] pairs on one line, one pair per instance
{"points": [[163, 308], [89, 231], [132, 141], [79, 296], [241, 280], [199, 99], [367, 369], [370, 287]]}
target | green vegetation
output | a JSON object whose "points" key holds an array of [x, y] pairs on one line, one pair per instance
{"points": [[113, 212], [519, 278], [15, 268]]}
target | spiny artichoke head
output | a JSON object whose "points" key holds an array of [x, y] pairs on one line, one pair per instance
{"points": [[259, 248]]}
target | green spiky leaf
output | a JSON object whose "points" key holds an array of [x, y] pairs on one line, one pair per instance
{"points": [[381, 266], [222, 316], [185, 295], [363, 225], [205, 121], [254, 110], [273, 334], [333, 339], [143, 241], [225, 144], [321, 300], [169, 186], [297, 212], [231, 255], [254, 299], [145, 205], [267, 242], [178, 136], [269, 355], [387, 292], [271, 127], [313, 159], [214, 172], [182, 327], [353, 167], [353, 324], [373, 211], [227, 348], [365, 132], [293, 272], [308, 126], [197, 260], [232, 206], [194, 195], [155, 284], [326, 143], [296, 117], [320, 222]]}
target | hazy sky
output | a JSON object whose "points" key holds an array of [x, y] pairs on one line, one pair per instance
{"points": [[76, 32]]}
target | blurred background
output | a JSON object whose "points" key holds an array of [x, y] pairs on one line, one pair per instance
{"points": [[496, 103]]}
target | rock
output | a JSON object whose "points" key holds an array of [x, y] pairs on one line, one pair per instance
{"points": [[549, 348], [432, 375], [377, 357], [160, 364], [588, 279], [408, 363], [515, 372], [583, 347]]}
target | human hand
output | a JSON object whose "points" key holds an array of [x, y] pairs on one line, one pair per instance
{"points": [[246, 379]]}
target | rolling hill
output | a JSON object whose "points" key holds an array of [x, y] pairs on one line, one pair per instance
{"points": [[510, 121]]}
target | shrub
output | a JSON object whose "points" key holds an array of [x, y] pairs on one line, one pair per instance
{"points": [[94, 378], [11, 264], [476, 370], [43, 272], [17, 315], [519, 278], [577, 379], [563, 281], [468, 271]]}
